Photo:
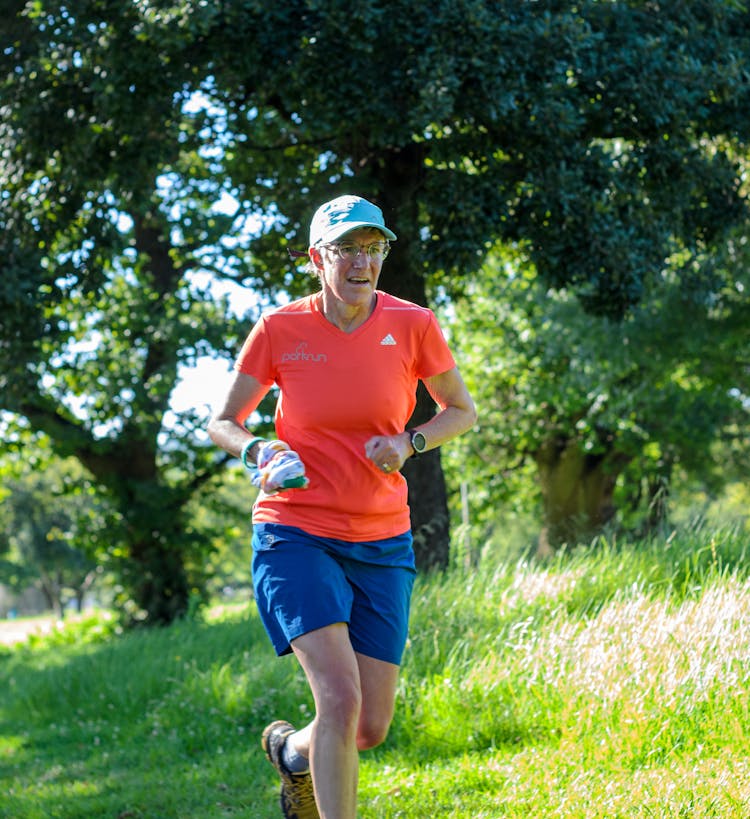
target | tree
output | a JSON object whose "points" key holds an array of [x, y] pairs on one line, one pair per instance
{"points": [[220, 511], [115, 312], [602, 411], [52, 524], [149, 148]]}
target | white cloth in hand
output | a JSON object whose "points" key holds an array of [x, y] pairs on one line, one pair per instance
{"points": [[279, 468]]}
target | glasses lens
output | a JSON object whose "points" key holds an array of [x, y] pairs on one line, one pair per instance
{"points": [[347, 250], [350, 250], [376, 249]]}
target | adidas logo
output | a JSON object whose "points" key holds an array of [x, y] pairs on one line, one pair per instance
{"points": [[388, 341]]}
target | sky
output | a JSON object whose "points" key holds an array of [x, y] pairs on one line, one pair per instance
{"points": [[201, 389], [204, 385]]}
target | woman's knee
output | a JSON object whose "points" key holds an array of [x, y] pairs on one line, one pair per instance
{"points": [[340, 700], [372, 730], [379, 680]]}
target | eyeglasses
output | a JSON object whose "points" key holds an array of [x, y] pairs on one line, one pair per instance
{"points": [[350, 250]]}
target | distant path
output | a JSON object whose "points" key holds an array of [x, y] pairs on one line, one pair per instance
{"points": [[16, 631]]}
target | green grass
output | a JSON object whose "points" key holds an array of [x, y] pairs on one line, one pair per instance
{"points": [[611, 682]]}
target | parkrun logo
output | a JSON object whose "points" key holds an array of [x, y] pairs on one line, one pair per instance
{"points": [[301, 354]]}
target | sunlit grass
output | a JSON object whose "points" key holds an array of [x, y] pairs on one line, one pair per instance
{"points": [[613, 681]]}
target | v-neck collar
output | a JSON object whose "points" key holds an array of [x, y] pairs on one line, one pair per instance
{"points": [[317, 308]]}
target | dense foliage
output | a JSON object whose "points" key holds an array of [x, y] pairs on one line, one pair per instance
{"points": [[52, 523], [603, 416], [151, 150]]}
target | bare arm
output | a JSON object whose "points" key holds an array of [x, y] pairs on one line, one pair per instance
{"points": [[457, 411], [227, 426], [457, 415]]}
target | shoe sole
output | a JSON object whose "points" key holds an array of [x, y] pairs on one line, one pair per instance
{"points": [[278, 764], [265, 740]]}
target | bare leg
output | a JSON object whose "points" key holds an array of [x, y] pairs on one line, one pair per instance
{"points": [[354, 698], [378, 681]]}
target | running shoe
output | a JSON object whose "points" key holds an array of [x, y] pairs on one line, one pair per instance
{"points": [[296, 796]]}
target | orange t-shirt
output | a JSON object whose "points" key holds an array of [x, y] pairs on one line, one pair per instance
{"points": [[337, 390]]}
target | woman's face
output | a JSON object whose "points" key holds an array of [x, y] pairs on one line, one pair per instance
{"points": [[351, 280]]}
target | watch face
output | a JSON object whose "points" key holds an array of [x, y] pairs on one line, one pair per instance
{"points": [[418, 442]]}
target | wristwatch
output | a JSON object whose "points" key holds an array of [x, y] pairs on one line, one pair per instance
{"points": [[418, 442]]}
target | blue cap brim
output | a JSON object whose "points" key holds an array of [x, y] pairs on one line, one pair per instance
{"points": [[342, 228]]}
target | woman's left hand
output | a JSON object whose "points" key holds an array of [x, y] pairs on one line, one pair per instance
{"points": [[388, 452]]}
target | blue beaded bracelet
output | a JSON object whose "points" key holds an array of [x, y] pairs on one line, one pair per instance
{"points": [[246, 449]]}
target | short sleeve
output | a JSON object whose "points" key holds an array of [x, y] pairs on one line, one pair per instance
{"points": [[255, 356], [434, 355]]}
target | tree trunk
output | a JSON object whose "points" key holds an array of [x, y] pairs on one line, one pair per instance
{"points": [[429, 511], [657, 516], [399, 177], [52, 591], [160, 587], [428, 499], [156, 542], [577, 491]]}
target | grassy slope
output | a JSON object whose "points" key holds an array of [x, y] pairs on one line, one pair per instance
{"points": [[612, 683]]}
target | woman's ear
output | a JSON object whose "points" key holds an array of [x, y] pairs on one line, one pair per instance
{"points": [[315, 258]]}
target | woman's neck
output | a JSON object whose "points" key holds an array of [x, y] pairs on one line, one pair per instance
{"points": [[346, 317]]}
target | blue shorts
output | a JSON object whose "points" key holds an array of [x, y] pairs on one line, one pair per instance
{"points": [[304, 582]]}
